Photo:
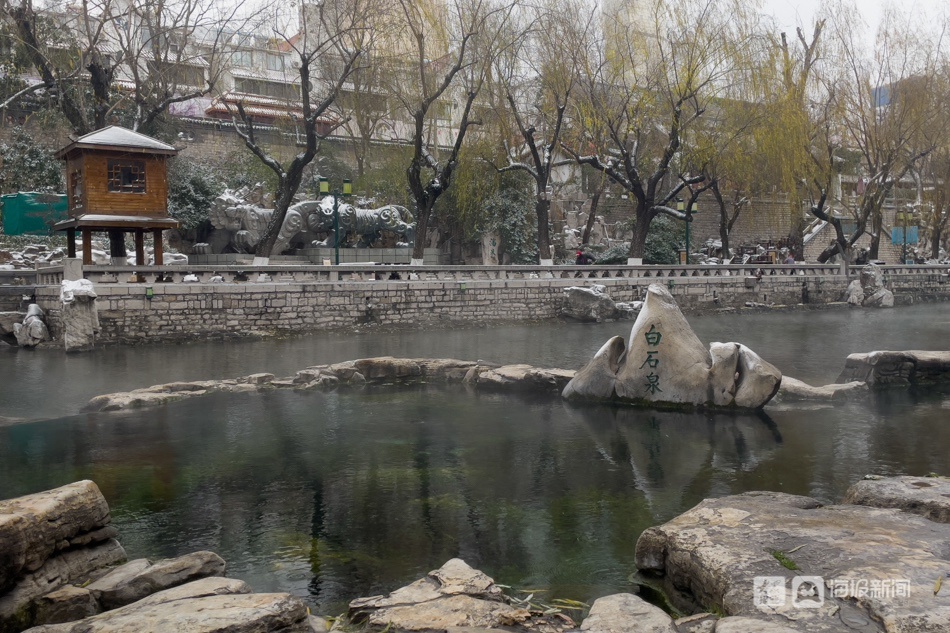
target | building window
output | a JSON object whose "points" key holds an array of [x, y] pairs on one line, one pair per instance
{"points": [[273, 62], [242, 59], [127, 176], [274, 89]]}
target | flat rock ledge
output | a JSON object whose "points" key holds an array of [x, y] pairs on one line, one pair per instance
{"points": [[355, 373], [605, 377], [787, 563], [884, 369], [792, 390], [927, 496]]}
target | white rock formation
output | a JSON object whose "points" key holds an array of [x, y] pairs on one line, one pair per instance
{"points": [[869, 291], [665, 364], [33, 330], [80, 315]]}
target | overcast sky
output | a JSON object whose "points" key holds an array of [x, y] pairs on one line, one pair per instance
{"points": [[790, 13]]}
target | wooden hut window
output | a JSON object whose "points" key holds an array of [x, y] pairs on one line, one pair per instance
{"points": [[127, 176]]}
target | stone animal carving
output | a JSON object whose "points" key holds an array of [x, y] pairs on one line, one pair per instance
{"points": [[240, 214], [367, 223]]}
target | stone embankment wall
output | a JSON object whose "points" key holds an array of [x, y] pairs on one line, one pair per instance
{"points": [[183, 311]]}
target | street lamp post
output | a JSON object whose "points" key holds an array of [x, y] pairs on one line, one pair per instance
{"points": [[681, 207], [346, 192]]}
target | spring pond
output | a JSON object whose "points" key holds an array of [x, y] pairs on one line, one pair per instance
{"points": [[337, 495]]}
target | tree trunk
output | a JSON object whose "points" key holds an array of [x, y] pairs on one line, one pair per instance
{"points": [[641, 228], [876, 230], [796, 223], [935, 243], [542, 208], [286, 190], [723, 224], [100, 76], [594, 203], [423, 213]]}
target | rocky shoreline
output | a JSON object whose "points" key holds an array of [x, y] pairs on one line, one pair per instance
{"points": [[759, 562], [387, 370]]}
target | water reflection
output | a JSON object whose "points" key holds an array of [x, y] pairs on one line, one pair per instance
{"points": [[336, 495], [674, 457]]}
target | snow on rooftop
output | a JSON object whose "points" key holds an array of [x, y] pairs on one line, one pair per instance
{"points": [[123, 137]]}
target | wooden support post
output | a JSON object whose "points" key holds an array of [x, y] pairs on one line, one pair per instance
{"points": [[140, 247], [86, 247], [159, 256], [71, 243]]}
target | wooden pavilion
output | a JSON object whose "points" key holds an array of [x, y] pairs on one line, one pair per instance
{"points": [[116, 182]]}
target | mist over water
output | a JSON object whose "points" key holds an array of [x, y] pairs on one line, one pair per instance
{"points": [[337, 495]]}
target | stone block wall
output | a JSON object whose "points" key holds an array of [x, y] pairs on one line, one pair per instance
{"points": [[181, 312], [764, 219]]}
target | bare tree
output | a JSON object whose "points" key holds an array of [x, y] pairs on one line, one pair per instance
{"points": [[877, 106], [538, 77], [172, 51], [450, 53], [67, 52], [647, 96], [332, 31], [160, 51]]}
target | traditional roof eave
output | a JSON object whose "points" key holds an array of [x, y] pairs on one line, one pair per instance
{"points": [[102, 221], [118, 139]]}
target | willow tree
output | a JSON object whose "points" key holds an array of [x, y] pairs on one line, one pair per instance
{"points": [[647, 94], [797, 117], [933, 182], [892, 102], [734, 148], [884, 102]]}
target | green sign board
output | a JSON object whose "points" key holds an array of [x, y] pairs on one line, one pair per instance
{"points": [[32, 213]]}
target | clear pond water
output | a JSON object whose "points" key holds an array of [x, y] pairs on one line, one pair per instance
{"points": [[337, 495]]}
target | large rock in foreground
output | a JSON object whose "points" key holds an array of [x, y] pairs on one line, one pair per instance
{"points": [[226, 608], [140, 578], [788, 561], [897, 369], [48, 540], [664, 364]]}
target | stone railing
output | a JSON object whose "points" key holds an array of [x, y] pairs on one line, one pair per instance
{"points": [[44, 276], [294, 273], [404, 273]]}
